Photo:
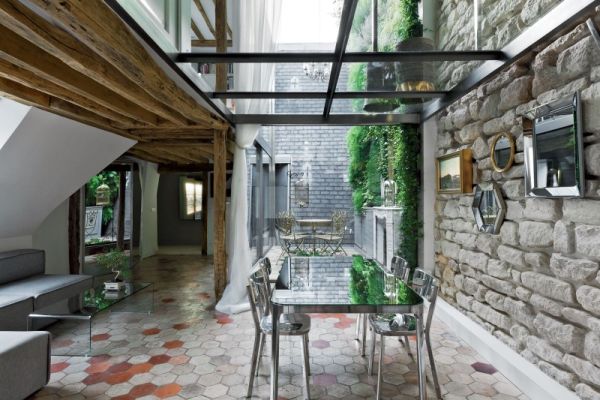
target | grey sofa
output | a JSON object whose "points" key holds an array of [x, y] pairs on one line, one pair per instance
{"points": [[24, 363], [26, 288]]}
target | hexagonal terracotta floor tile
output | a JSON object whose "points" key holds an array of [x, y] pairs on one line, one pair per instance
{"points": [[145, 389], [159, 359], [100, 337], [151, 331], [167, 390], [57, 367], [173, 344]]}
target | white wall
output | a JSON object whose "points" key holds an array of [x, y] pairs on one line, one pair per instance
{"points": [[47, 158], [11, 115], [53, 237], [426, 245], [20, 242]]}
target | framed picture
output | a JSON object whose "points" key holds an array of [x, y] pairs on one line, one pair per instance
{"points": [[228, 177], [454, 172]]}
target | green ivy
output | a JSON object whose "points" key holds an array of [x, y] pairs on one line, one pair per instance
{"points": [[111, 178]]}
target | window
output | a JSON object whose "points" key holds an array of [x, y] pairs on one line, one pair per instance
{"points": [[190, 197]]}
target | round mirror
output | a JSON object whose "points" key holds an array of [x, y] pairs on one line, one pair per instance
{"points": [[502, 151]]}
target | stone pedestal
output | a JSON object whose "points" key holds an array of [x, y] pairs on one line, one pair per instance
{"points": [[386, 237]]}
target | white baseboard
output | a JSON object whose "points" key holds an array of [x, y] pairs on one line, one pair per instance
{"points": [[526, 376]]}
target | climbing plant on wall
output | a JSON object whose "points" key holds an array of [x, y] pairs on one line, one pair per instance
{"points": [[378, 151]]}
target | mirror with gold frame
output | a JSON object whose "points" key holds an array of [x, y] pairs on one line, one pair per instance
{"points": [[502, 151]]}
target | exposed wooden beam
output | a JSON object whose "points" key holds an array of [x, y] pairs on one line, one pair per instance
{"points": [[23, 94], [203, 167], [204, 237], [96, 25], [35, 81], [220, 198], [54, 40], [208, 43], [186, 144], [209, 24], [23, 53], [197, 31], [74, 233], [221, 38], [229, 32], [172, 133], [139, 153]]}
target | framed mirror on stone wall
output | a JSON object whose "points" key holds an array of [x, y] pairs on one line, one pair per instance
{"points": [[488, 208], [502, 151]]}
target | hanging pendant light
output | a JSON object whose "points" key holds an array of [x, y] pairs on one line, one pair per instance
{"points": [[380, 76], [103, 195]]}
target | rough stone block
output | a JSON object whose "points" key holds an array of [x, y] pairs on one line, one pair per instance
{"points": [[494, 317], [522, 293], [519, 333], [545, 304], [591, 348], [469, 133], [493, 126], [589, 298], [585, 211], [584, 369], [495, 300], [511, 255], [576, 316], [475, 259], [586, 393], [535, 234], [563, 377], [529, 356], [514, 189], [445, 140], [577, 59], [509, 233], [480, 149], [464, 301], [461, 116], [564, 237], [520, 311], [568, 337], [465, 239], [450, 249], [487, 243], [539, 261], [507, 340], [470, 285], [517, 92], [548, 286], [545, 350], [498, 285], [498, 269], [578, 270], [489, 108], [592, 159], [587, 238], [514, 210], [542, 209]]}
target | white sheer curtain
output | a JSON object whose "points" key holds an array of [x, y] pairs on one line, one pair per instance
{"points": [[258, 25]]}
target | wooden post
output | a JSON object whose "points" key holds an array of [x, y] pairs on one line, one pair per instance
{"points": [[204, 238], [75, 233], [121, 212], [221, 38], [220, 184]]}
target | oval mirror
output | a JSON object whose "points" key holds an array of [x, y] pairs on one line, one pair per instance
{"points": [[502, 151]]}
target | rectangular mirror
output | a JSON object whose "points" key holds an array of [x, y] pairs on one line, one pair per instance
{"points": [[554, 150]]}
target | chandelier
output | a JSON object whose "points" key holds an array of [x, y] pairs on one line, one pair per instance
{"points": [[317, 71]]}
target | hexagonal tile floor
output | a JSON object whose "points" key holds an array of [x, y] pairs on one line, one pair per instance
{"points": [[186, 350]]}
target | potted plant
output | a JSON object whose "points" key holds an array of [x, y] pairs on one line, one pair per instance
{"points": [[414, 75], [117, 262]]}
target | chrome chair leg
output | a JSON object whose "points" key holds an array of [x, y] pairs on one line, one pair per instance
{"points": [[380, 366], [254, 362], [306, 369], [358, 326], [436, 384], [260, 351], [364, 334], [372, 355]]}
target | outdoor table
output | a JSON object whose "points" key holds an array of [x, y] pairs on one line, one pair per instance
{"points": [[341, 285], [313, 223]]}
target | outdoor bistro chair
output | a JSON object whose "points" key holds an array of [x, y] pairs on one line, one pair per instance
{"points": [[404, 325], [334, 239], [259, 294], [400, 268], [288, 239]]}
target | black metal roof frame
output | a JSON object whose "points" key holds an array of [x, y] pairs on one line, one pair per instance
{"points": [[564, 16]]}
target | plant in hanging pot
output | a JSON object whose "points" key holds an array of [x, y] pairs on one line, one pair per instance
{"points": [[116, 262], [413, 75]]}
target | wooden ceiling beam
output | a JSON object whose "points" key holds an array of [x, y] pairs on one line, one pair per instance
{"points": [[221, 38], [139, 153], [19, 51], [93, 23], [197, 31], [229, 31], [23, 94], [208, 43], [32, 80], [54, 40], [207, 21]]}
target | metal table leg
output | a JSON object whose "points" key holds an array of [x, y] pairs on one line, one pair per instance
{"points": [[276, 311], [420, 359]]}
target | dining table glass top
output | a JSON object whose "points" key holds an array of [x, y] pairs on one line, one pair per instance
{"points": [[340, 281]]}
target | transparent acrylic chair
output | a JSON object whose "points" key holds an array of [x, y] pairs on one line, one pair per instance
{"points": [[259, 294]]}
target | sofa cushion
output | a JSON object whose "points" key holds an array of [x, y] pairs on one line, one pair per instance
{"points": [[24, 363], [48, 289], [13, 312], [19, 264]]}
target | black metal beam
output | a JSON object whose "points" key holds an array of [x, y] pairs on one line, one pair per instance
{"points": [[340, 48], [332, 119], [307, 57], [323, 95], [561, 18]]}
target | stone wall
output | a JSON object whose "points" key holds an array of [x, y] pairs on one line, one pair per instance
{"points": [[535, 285], [498, 23]]}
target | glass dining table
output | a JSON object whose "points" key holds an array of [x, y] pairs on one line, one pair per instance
{"points": [[341, 285]]}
